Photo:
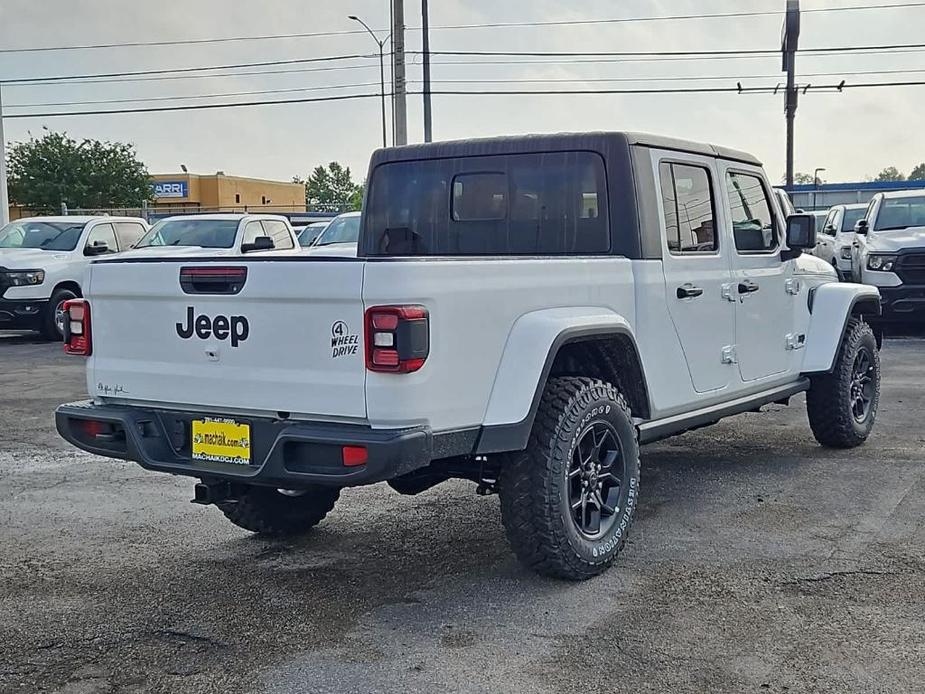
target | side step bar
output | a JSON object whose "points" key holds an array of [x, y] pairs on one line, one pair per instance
{"points": [[656, 429]]}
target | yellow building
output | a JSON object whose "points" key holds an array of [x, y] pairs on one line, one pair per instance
{"points": [[185, 192]]}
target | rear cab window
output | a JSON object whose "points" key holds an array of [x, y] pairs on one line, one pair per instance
{"points": [[690, 211], [552, 203]]}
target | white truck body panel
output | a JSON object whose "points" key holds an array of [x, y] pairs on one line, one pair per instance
{"points": [[285, 363]]}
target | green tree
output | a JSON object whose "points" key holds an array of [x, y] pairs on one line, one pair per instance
{"points": [[890, 173], [918, 173], [53, 169], [332, 187], [802, 178]]}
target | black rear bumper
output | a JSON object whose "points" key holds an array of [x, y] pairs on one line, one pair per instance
{"points": [[287, 454]]}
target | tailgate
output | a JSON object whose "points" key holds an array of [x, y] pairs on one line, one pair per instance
{"points": [[289, 339]]}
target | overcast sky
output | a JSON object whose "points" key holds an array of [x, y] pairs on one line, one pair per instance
{"points": [[853, 134]]}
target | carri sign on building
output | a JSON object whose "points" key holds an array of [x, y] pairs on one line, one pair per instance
{"points": [[171, 189]]}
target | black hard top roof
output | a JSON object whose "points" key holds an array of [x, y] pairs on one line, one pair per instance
{"points": [[513, 144]]}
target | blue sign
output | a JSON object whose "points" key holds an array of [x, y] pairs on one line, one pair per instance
{"points": [[171, 189]]}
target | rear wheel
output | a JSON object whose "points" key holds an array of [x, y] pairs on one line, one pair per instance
{"points": [[53, 320], [568, 500], [277, 512], [842, 405]]}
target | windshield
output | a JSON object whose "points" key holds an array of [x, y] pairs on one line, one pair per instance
{"points": [[310, 233], [45, 236], [851, 218], [342, 230], [205, 233], [899, 213]]}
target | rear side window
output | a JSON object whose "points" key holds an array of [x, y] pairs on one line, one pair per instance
{"points": [[752, 221], [279, 233], [128, 234], [687, 199], [523, 204]]}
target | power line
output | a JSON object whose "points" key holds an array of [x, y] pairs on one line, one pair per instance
{"points": [[723, 52], [680, 78], [764, 89], [568, 80], [196, 107], [492, 25], [180, 42], [192, 96], [198, 77], [662, 59], [677, 17], [621, 55], [162, 71]]}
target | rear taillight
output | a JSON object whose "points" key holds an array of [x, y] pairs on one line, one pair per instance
{"points": [[397, 338], [77, 327]]}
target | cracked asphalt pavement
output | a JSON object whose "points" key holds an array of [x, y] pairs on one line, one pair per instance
{"points": [[759, 562]]}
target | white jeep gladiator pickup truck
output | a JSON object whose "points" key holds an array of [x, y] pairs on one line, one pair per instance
{"points": [[889, 253], [523, 312], [44, 261]]}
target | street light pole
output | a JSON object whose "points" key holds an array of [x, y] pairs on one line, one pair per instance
{"points": [[4, 200], [381, 45], [816, 184]]}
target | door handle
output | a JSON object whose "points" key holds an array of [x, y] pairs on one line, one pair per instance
{"points": [[689, 291], [747, 287]]}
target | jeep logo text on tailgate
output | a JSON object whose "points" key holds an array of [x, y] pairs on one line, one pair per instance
{"points": [[220, 327]]}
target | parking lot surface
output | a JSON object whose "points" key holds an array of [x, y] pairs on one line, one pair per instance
{"points": [[759, 562]]}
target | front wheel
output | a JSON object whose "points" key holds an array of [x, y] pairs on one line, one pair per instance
{"points": [[842, 405], [568, 500], [53, 320], [279, 512]]}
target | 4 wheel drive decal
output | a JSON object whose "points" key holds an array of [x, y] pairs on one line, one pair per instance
{"points": [[343, 343], [235, 328]]}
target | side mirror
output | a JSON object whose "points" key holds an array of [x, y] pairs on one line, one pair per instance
{"points": [[97, 248], [260, 243], [801, 234], [862, 227], [830, 229]]}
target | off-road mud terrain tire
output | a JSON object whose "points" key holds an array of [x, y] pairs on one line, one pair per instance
{"points": [[267, 511], [831, 401], [536, 487]]}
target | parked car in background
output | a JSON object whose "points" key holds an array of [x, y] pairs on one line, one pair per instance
{"points": [[218, 234], [822, 244], [889, 252], [339, 238], [310, 232], [43, 263], [838, 235]]}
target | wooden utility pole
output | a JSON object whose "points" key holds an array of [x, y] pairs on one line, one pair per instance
{"points": [[399, 103], [425, 43], [789, 43]]}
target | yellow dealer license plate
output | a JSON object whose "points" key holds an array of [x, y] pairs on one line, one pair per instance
{"points": [[221, 441]]}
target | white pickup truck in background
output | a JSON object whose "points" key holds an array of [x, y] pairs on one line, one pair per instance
{"points": [[889, 252], [217, 235], [44, 261], [523, 313]]}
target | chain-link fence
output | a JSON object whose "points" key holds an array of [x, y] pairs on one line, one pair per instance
{"points": [[159, 211]]}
